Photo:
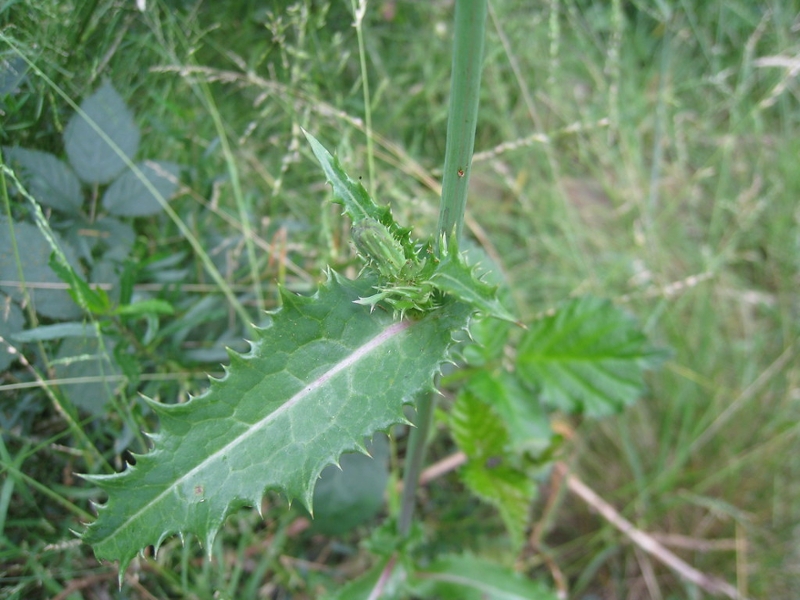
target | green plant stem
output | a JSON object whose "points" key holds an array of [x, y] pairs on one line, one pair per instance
{"points": [[359, 10], [470, 26], [469, 33], [417, 444]]}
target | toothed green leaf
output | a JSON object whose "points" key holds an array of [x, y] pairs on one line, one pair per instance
{"points": [[525, 421], [323, 375], [356, 200], [491, 472], [587, 357], [454, 276]]}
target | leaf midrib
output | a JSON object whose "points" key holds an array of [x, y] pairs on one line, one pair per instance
{"points": [[394, 329]]}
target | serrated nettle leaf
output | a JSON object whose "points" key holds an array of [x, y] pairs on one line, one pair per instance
{"points": [[510, 490], [588, 357], [491, 472], [86, 138], [323, 375], [454, 276], [527, 424], [476, 429], [47, 178], [128, 196]]}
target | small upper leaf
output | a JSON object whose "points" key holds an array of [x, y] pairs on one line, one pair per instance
{"points": [[588, 357], [454, 276], [356, 200], [88, 139]]}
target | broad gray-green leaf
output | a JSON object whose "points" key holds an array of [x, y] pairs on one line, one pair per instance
{"points": [[454, 276], [89, 151], [128, 196], [92, 370], [322, 376], [47, 178], [56, 331], [13, 71], [34, 253], [588, 357], [472, 578]]}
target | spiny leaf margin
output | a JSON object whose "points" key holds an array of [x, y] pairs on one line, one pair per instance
{"points": [[358, 204], [225, 448]]}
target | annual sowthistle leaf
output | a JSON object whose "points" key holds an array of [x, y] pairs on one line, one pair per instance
{"points": [[323, 375]]}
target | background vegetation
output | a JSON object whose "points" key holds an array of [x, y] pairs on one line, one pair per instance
{"points": [[643, 153]]}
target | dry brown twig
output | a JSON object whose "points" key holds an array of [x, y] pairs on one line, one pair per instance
{"points": [[647, 543], [643, 541]]}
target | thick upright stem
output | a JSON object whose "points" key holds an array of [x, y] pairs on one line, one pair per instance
{"points": [[470, 26]]}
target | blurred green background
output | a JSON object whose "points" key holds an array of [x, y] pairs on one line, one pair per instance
{"points": [[645, 152]]}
